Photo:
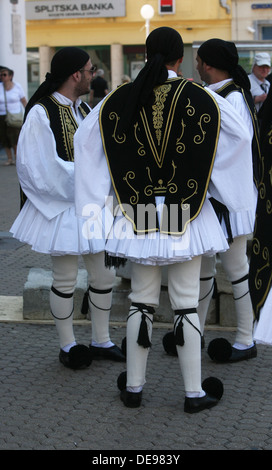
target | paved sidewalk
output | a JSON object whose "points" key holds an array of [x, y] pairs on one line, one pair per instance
{"points": [[45, 406]]}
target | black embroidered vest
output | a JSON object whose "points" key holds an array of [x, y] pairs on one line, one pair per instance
{"points": [[63, 126], [168, 151], [224, 91], [260, 270]]}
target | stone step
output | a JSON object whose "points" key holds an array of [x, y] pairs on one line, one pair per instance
{"points": [[38, 285]]}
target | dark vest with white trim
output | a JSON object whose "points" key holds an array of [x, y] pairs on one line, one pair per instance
{"points": [[168, 151], [260, 270]]}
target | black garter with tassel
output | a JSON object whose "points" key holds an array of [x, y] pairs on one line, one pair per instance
{"points": [[143, 337], [178, 327]]}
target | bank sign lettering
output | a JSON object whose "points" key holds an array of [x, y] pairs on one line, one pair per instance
{"points": [[52, 9]]}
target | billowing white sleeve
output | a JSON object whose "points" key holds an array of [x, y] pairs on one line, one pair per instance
{"points": [[232, 176], [92, 178], [46, 179]]}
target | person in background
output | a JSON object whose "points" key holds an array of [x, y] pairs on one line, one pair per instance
{"points": [[259, 84], [167, 126], [217, 64], [99, 88], [125, 79], [12, 98], [47, 220], [260, 268]]}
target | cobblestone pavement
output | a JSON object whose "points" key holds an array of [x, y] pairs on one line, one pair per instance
{"points": [[44, 406]]}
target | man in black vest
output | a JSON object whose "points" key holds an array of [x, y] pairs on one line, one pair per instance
{"points": [[47, 220], [217, 64], [158, 143]]}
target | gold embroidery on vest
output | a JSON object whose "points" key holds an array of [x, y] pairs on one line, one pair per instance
{"points": [[180, 146], [118, 139], [161, 94], [160, 188], [192, 184], [205, 118], [190, 108], [270, 137], [133, 199], [141, 150], [68, 131]]}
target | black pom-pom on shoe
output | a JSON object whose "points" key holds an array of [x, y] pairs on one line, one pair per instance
{"points": [[124, 346], [220, 350], [122, 380], [79, 357], [214, 387]]}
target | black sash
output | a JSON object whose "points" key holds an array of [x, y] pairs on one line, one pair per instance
{"points": [[168, 151]]}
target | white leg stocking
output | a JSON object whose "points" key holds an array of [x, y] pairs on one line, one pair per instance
{"points": [[244, 312], [235, 264], [100, 307], [206, 288], [189, 354], [61, 296], [137, 355], [62, 309]]}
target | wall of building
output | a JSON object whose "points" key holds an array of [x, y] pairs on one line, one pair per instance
{"points": [[195, 21], [13, 39], [248, 19], [108, 38]]}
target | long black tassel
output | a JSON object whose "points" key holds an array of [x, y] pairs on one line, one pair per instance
{"points": [[143, 337], [178, 327], [85, 304], [222, 213], [178, 332]]}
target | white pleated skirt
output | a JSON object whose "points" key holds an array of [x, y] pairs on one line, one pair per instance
{"points": [[63, 235], [204, 235], [263, 328]]}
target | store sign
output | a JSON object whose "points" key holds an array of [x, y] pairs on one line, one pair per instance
{"points": [[261, 6], [53, 9], [166, 7]]}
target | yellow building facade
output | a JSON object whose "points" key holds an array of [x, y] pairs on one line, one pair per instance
{"points": [[114, 31]]}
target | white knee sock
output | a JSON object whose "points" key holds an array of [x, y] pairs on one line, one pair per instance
{"points": [[100, 307], [62, 309], [189, 354], [205, 296], [137, 355], [244, 312]]}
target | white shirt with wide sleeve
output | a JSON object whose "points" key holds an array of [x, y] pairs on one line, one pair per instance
{"points": [[242, 222], [47, 220]]}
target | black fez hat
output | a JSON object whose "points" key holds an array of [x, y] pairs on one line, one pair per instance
{"points": [[223, 55], [67, 61], [163, 45], [164, 41], [220, 54]]}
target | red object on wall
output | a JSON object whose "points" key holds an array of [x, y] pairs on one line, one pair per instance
{"points": [[166, 6]]}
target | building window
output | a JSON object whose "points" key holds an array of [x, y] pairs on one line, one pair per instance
{"points": [[266, 32]]}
